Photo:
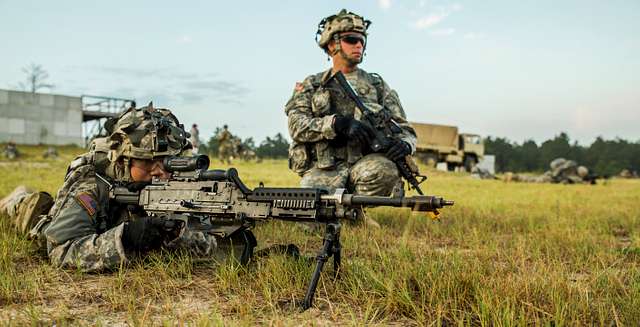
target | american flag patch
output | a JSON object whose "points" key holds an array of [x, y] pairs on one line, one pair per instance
{"points": [[86, 200]]}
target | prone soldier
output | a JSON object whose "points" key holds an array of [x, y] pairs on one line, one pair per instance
{"points": [[84, 228], [562, 171], [330, 147]]}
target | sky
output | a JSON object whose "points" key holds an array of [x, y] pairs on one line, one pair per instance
{"points": [[515, 69]]}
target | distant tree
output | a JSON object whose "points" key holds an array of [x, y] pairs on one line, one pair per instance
{"points": [[503, 150], [36, 78], [529, 157], [211, 147], [249, 143], [604, 157], [276, 147], [558, 147]]}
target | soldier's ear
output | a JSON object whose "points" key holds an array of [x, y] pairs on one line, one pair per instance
{"points": [[330, 47]]}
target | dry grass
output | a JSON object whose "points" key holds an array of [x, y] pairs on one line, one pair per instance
{"points": [[506, 254]]}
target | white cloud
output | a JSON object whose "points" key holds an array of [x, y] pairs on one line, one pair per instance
{"points": [[438, 16], [474, 36], [443, 32], [384, 4], [428, 21], [185, 39]]}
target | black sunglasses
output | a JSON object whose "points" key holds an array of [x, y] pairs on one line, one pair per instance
{"points": [[354, 39]]}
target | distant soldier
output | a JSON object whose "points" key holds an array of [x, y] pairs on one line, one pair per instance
{"points": [[331, 145], [562, 171], [50, 153], [480, 173], [225, 145], [11, 151], [242, 151], [194, 139]]}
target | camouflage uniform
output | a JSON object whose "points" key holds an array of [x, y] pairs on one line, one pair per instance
{"points": [[194, 139], [225, 146], [323, 159], [562, 171], [84, 228]]}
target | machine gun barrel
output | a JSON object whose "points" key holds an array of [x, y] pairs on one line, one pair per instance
{"points": [[422, 203], [416, 203]]}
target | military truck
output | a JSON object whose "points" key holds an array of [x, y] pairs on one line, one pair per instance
{"points": [[442, 143]]}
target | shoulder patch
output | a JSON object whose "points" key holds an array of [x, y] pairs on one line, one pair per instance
{"points": [[375, 78], [87, 201]]}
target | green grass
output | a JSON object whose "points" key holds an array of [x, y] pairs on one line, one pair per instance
{"points": [[505, 254]]}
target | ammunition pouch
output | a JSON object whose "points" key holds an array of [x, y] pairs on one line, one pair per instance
{"points": [[299, 158]]}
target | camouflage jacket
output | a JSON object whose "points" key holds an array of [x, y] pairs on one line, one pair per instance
{"points": [[311, 111], [224, 137], [86, 228]]}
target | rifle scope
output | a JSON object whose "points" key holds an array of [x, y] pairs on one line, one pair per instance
{"points": [[198, 162]]}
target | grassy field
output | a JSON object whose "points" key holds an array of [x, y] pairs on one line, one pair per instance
{"points": [[505, 254]]}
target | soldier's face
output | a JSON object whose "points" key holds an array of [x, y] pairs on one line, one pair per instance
{"points": [[352, 45], [145, 170]]}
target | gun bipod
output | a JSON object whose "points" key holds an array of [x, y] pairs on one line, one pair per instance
{"points": [[330, 247]]}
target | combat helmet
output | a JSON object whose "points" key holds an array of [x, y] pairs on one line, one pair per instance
{"points": [[330, 27], [141, 133]]}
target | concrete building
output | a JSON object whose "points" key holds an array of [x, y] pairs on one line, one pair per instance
{"points": [[40, 118], [37, 118]]}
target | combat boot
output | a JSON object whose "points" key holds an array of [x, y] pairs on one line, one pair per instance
{"points": [[9, 203], [30, 209]]}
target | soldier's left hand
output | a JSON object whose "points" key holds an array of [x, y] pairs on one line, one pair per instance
{"points": [[398, 150]]}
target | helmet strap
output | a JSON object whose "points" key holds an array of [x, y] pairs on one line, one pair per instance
{"points": [[127, 169], [336, 42]]}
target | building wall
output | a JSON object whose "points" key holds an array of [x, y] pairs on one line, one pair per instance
{"points": [[28, 118]]}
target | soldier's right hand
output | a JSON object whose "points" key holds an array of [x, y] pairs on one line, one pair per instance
{"points": [[352, 129], [143, 233]]}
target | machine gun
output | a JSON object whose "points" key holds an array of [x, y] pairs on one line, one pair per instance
{"points": [[219, 203], [385, 131]]}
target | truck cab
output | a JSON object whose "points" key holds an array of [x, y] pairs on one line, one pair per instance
{"points": [[472, 147]]}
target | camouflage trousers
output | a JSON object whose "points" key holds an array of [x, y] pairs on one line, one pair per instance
{"points": [[373, 174], [225, 152]]}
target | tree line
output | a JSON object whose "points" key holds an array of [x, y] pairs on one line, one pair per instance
{"points": [[604, 157]]}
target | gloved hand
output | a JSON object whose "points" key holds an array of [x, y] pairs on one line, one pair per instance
{"points": [[352, 129], [147, 233], [398, 150]]}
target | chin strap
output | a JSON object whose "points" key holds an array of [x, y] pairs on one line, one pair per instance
{"points": [[336, 41]]}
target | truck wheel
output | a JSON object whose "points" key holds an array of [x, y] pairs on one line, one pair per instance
{"points": [[430, 159], [451, 166], [469, 163]]}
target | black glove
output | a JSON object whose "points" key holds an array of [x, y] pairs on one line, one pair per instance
{"points": [[147, 233], [352, 129], [398, 150]]}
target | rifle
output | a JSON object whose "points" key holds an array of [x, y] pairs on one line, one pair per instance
{"points": [[219, 203], [385, 131]]}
